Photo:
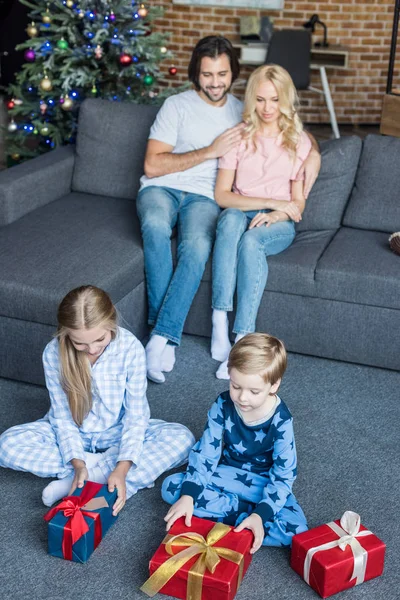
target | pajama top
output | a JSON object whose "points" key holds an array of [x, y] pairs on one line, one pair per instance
{"points": [[267, 449], [120, 412]]}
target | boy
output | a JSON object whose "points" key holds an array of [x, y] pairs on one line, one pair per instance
{"points": [[242, 469]]}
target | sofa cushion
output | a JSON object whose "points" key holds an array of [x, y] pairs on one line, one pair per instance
{"points": [[375, 200], [110, 147], [358, 266], [330, 193], [76, 240], [293, 271]]}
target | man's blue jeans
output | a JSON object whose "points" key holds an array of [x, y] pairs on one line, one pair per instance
{"points": [[170, 294], [239, 261]]}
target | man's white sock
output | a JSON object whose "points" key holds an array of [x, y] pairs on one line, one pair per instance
{"points": [[220, 343], [168, 358], [154, 351], [222, 372]]}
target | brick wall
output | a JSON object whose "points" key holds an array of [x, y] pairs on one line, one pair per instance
{"points": [[364, 26]]}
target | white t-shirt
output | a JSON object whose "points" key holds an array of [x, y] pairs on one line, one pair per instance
{"points": [[187, 123]]}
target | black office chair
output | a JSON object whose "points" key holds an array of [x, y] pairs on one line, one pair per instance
{"points": [[291, 49]]}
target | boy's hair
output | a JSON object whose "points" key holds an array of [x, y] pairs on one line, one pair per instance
{"points": [[85, 307], [212, 46], [261, 354]]}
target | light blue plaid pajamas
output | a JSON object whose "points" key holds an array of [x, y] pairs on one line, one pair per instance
{"points": [[118, 424]]}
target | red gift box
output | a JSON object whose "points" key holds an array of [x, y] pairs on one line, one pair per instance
{"points": [[337, 556], [219, 559]]}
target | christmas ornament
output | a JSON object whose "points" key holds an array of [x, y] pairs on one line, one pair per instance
{"points": [[163, 50], [94, 89], [10, 104], [142, 12], [148, 79], [69, 3], [62, 44], [125, 59], [81, 14], [12, 126], [98, 53], [111, 17], [15, 156], [18, 101], [46, 84], [46, 18], [44, 130], [67, 104], [32, 30], [30, 55], [173, 70], [43, 107], [394, 242], [35, 131], [62, 100]]}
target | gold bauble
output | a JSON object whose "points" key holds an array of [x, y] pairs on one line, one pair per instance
{"points": [[67, 104], [81, 14], [46, 84], [46, 18], [18, 101], [69, 3], [142, 12], [44, 130], [32, 30], [15, 156], [163, 50]]}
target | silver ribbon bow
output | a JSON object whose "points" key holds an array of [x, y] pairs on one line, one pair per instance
{"points": [[348, 534]]}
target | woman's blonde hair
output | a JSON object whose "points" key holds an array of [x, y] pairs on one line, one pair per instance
{"points": [[82, 308], [259, 354], [289, 121]]}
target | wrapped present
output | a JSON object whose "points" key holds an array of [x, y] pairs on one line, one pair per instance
{"points": [[204, 561], [77, 525], [337, 556]]}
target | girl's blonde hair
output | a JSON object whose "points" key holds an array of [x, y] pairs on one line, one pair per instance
{"points": [[289, 121], [259, 354], [82, 308]]}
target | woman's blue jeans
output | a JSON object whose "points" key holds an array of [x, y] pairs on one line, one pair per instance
{"points": [[239, 262], [170, 294]]}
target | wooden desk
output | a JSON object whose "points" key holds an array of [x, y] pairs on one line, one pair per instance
{"points": [[332, 57]]}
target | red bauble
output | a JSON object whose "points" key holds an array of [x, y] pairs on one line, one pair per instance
{"points": [[173, 70], [10, 104], [125, 59]]}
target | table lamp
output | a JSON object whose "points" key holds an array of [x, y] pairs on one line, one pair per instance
{"points": [[314, 20]]}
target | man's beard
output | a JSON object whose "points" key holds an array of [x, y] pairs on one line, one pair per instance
{"points": [[213, 98]]}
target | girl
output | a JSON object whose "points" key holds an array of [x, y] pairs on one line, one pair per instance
{"points": [[260, 183], [98, 427]]}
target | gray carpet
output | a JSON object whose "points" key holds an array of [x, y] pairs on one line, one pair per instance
{"points": [[346, 426]]}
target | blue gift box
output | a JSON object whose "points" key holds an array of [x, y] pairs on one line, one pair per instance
{"points": [[74, 536]]}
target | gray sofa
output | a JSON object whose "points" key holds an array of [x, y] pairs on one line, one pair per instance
{"points": [[68, 218]]}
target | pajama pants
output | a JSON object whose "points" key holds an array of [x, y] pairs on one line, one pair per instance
{"points": [[232, 495], [32, 447]]}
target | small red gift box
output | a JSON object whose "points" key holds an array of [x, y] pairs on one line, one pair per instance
{"points": [[337, 556], [206, 560]]}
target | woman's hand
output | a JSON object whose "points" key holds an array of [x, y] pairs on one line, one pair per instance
{"points": [[80, 476], [182, 508], [267, 219], [117, 481], [310, 168], [254, 523]]}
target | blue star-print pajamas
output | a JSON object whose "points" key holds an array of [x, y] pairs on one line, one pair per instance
{"points": [[236, 469]]}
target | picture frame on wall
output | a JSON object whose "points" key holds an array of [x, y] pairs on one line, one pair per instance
{"points": [[272, 4]]}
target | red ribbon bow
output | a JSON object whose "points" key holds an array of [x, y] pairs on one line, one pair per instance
{"points": [[76, 526]]}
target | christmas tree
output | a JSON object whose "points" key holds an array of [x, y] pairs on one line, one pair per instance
{"points": [[75, 50]]}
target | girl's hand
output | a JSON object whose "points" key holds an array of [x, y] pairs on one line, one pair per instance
{"points": [[80, 476], [254, 523], [265, 219], [116, 481], [182, 508]]}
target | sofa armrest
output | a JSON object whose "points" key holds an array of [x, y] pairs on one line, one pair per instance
{"points": [[34, 183]]}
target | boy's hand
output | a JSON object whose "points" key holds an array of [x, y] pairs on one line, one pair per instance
{"points": [[182, 508], [254, 523]]}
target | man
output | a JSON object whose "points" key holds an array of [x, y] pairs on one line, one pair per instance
{"points": [[192, 130]]}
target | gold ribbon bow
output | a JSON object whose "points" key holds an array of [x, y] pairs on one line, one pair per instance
{"points": [[210, 556]]}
